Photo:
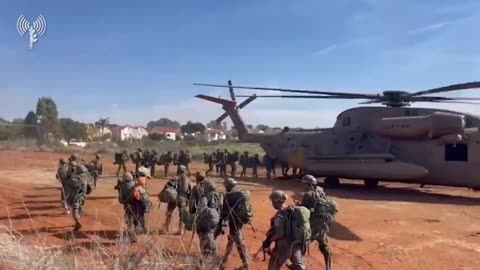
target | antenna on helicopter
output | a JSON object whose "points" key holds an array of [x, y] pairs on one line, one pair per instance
{"points": [[388, 98]]}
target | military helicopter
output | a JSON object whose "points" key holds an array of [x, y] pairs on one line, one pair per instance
{"points": [[394, 143]]}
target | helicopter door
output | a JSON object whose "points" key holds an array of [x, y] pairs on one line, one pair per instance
{"points": [[456, 152]]}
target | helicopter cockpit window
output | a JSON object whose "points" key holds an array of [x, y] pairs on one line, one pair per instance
{"points": [[346, 122], [456, 152]]}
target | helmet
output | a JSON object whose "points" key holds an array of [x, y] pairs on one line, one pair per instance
{"points": [[124, 151], [97, 156], [200, 175], [209, 186], [309, 179], [278, 196], [182, 168], [74, 156], [128, 177], [230, 182], [62, 161], [80, 168]]}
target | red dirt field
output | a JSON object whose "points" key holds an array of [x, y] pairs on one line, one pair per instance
{"points": [[394, 226]]}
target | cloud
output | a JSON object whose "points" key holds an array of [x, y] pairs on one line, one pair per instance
{"points": [[327, 50], [429, 28]]}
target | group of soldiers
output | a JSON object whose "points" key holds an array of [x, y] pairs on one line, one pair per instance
{"points": [[77, 179], [150, 158], [221, 159]]}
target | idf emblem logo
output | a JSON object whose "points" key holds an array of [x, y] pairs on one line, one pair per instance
{"points": [[35, 30]]}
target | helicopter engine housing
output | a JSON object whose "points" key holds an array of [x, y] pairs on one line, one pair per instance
{"points": [[431, 126]]}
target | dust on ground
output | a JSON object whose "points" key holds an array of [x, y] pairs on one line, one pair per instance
{"points": [[394, 226]]}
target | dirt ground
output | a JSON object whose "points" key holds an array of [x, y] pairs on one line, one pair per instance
{"points": [[394, 226]]}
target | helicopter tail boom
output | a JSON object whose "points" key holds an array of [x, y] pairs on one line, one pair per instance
{"points": [[231, 110]]}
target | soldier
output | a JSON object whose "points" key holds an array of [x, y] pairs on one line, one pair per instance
{"points": [[95, 168], [244, 163], [137, 158], [210, 162], [268, 163], [188, 160], [122, 161], [283, 249], [140, 205], [314, 198], [125, 197], [235, 223], [217, 156], [153, 161], [167, 160], [183, 194], [197, 192], [169, 189], [255, 162], [207, 217], [76, 190], [232, 161], [62, 176], [274, 166], [285, 168], [222, 161]]}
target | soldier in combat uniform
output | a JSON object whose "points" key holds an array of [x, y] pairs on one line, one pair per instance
{"points": [[183, 194], [313, 196], [76, 190], [167, 161], [255, 162], [244, 163], [95, 168], [62, 176], [235, 225], [121, 163], [283, 249]]}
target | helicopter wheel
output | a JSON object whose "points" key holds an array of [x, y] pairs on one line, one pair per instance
{"points": [[371, 183], [331, 182]]}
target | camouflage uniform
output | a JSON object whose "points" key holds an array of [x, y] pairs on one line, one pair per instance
{"points": [[283, 249], [167, 160], [217, 157], [197, 192], [95, 169], [318, 225], [223, 163], [183, 193], [255, 162], [244, 163], [140, 206], [121, 163], [210, 162], [235, 226], [137, 158], [125, 199], [285, 168], [170, 208], [268, 163], [153, 161], [232, 161], [62, 176], [76, 190]]}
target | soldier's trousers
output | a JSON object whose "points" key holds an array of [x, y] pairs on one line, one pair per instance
{"points": [[63, 198], [233, 170], [152, 170], [322, 239], [210, 169], [255, 172], [284, 251], [235, 237], [208, 247], [244, 171], [165, 169], [182, 206], [269, 173], [120, 167], [168, 216]]}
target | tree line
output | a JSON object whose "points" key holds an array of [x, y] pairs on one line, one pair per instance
{"points": [[45, 125]]}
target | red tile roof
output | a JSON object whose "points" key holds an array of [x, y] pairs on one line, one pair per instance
{"points": [[164, 130]]}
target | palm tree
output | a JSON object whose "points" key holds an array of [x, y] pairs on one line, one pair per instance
{"points": [[103, 122]]}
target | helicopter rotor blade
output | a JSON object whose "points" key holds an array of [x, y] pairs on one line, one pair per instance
{"points": [[455, 102], [243, 104], [230, 88], [304, 91], [301, 96], [453, 87]]}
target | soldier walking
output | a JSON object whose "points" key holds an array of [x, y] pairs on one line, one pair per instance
{"points": [[211, 163], [238, 212], [170, 197], [285, 168], [268, 163], [167, 160], [137, 158], [76, 189], [125, 197], [284, 248], [121, 162], [232, 161], [140, 205], [62, 176], [255, 162], [152, 162], [183, 194], [95, 168], [322, 216], [244, 163]]}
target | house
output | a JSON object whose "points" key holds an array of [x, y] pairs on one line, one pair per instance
{"points": [[231, 134], [171, 133], [210, 135], [98, 132], [122, 133]]}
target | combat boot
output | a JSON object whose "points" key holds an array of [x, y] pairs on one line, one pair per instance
{"points": [[181, 229]]}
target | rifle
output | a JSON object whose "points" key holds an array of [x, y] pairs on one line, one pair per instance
{"points": [[258, 252]]}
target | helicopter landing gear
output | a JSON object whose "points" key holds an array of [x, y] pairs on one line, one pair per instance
{"points": [[371, 183], [331, 182]]}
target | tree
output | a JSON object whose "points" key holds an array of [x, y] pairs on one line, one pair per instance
{"points": [[191, 127], [163, 122], [47, 113], [157, 136], [102, 123], [261, 127], [31, 131], [71, 129], [213, 125]]}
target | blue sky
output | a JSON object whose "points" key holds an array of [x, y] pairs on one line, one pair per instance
{"points": [[135, 61]]}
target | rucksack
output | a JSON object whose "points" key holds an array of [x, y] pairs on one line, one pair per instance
{"points": [[298, 225], [208, 213], [188, 220], [140, 191], [169, 192], [239, 206], [325, 208], [125, 191]]}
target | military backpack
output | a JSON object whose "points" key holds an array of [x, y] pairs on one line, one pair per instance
{"points": [[325, 208], [239, 206], [298, 228], [169, 192], [208, 213], [125, 191]]}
